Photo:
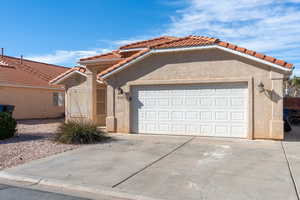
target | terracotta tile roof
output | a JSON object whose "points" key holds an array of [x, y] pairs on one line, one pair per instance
{"points": [[202, 41], [110, 55], [140, 44], [28, 73], [148, 43], [166, 42], [126, 60], [189, 41], [80, 69], [255, 54]]}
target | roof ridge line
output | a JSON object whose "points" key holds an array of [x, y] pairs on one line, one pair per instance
{"points": [[114, 52], [52, 65], [205, 37], [167, 42], [150, 40]]}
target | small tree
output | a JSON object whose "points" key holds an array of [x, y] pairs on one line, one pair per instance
{"points": [[293, 87]]}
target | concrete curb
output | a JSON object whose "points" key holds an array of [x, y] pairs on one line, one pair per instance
{"points": [[77, 187]]}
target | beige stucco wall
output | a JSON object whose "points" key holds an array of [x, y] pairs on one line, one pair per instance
{"points": [[81, 98], [31, 103], [266, 108], [77, 107]]}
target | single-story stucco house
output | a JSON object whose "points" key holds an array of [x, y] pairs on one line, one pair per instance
{"points": [[25, 84], [183, 86]]}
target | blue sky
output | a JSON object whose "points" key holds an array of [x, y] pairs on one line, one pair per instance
{"points": [[60, 32]]}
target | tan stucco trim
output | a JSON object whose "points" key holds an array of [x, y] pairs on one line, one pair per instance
{"points": [[248, 80], [32, 87], [251, 108]]}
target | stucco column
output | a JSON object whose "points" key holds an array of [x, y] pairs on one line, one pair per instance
{"points": [[110, 102], [66, 104], [91, 98], [276, 95]]}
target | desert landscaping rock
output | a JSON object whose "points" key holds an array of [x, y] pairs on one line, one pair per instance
{"points": [[33, 141]]}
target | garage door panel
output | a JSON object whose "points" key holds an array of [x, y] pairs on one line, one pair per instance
{"points": [[237, 116], [221, 116], [237, 130], [192, 116], [221, 130], [206, 115], [221, 101], [207, 110]]}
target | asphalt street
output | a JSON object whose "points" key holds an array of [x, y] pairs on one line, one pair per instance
{"points": [[9, 192]]}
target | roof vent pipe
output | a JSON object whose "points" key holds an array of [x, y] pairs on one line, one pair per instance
{"points": [[21, 59], [2, 52]]}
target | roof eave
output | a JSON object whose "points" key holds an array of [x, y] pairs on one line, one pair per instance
{"points": [[132, 49], [63, 78], [31, 86], [99, 61]]}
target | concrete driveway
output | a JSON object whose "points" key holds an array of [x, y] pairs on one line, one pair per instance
{"points": [[175, 167]]}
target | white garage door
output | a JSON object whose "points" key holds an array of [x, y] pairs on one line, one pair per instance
{"points": [[206, 110]]}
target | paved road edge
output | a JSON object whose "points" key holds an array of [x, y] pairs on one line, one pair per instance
{"points": [[81, 188]]}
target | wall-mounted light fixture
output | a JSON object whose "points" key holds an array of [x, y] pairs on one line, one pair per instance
{"points": [[120, 91], [261, 87]]}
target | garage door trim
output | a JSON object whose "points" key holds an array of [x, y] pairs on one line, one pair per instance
{"points": [[248, 80]]}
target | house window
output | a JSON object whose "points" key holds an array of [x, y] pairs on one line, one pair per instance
{"points": [[58, 99]]}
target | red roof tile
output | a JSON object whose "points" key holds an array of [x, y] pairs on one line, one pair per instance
{"points": [[259, 55], [270, 59], [280, 62], [148, 43], [241, 49], [126, 60], [186, 42], [29, 73], [110, 55]]}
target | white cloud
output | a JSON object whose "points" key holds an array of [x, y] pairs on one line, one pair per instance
{"points": [[65, 57], [269, 26], [124, 42], [119, 43]]}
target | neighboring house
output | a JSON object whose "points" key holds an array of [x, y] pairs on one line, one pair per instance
{"points": [[183, 86], [292, 103], [25, 84], [292, 87]]}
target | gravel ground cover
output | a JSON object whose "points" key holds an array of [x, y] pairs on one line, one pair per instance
{"points": [[34, 141]]}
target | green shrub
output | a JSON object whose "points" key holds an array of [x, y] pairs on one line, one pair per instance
{"points": [[74, 132], [8, 126]]}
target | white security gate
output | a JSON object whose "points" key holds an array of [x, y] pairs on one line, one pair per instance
{"points": [[206, 110]]}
